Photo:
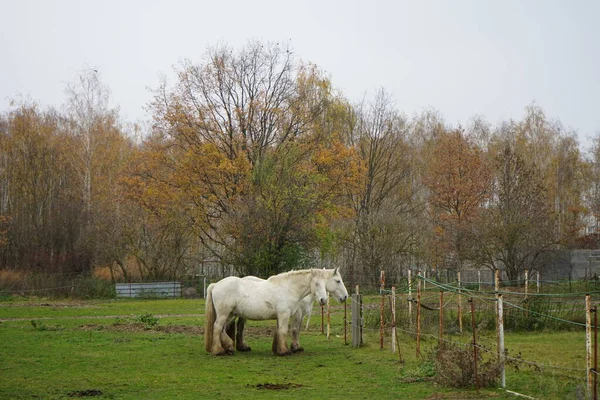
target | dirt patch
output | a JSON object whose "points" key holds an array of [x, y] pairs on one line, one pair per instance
{"points": [[459, 396], [85, 393], [124, 317], [258, 331], [138, 327], [134, 327], [92, 327], [73, 304], [277, 386], [185, 329]]}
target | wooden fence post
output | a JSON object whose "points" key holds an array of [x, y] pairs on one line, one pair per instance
{"points": [[497, 289], [500, 327], [526, 293], [322, 319], [393, 307], [460, 322], [410, 299], [328, 318], [345, 323], [419, 318], [595, 391], [588, 343], [382, 310], [474, 327], [441, 329], [497, 280], [356, 319]]}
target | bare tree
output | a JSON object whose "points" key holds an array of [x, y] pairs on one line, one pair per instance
{"points": [[385, 202], [87, 107], [516, 230]]}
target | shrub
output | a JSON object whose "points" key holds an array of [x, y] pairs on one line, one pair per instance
{"points": [[92, 288], [149, 320], [41, 327], [455, 367]]}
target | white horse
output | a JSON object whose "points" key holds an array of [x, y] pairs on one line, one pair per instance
{"points": [[274, 298], [304, 308], [334, 286]]}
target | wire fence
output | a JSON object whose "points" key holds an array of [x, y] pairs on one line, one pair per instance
{"points": [[531, 305], [81, 286], [525, 309]]}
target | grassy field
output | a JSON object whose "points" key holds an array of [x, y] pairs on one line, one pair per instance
{"points": [[153, 349]]}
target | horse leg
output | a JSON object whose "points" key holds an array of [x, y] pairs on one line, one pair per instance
{"points": [[274, 345], [230, 329], [220, 338], [280, 346], [295, 325], [226, 338], [227, 343], [240, 343]]}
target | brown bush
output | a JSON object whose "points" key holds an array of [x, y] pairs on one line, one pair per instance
{"points": [[455, 367]]}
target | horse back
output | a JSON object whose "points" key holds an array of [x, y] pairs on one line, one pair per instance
{"points": [[254, 299]]}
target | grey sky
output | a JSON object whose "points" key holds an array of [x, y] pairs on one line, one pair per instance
{"points": [[462, 58]]}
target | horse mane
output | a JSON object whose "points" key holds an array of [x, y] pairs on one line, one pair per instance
{"points": [[323, 273]]}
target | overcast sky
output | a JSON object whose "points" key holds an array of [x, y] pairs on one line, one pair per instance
{"points": [[462, 58]]}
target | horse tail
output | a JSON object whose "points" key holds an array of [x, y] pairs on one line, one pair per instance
{"points": [[209, 319]]}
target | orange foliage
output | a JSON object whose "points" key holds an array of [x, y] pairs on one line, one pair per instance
{"points": [[11, 277], [458, 177]]}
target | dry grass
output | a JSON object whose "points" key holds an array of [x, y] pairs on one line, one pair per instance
{"points": [[108, 272], [11, 277]]}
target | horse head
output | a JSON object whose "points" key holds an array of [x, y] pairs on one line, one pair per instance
{"points": [[335, 286], [318, 286]]}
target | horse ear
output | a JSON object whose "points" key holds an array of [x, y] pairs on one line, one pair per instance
{"points": [[335, 271]]}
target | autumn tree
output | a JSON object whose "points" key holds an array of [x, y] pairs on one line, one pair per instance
{"points": [[287, 216], [59, 181], [516, 229], [35, 191], [459, 181], [569, 187], [243, 152]]}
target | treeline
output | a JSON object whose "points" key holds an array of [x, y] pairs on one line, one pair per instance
{"points": [[255, 164]]}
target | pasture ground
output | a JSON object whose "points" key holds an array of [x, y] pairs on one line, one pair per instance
{"points": [[154, 349]]}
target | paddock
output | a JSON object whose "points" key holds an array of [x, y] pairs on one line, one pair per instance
{"points": [[154, 349]]}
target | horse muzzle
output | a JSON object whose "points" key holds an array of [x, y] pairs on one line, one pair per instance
{"points": [[322, 301]]}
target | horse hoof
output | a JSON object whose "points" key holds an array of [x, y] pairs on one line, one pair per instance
{"points": [[230, 352], [285, 353], [246, 348], [297, 349]]}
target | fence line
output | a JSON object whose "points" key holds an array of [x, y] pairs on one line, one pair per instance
{"points": [[485, 297]]}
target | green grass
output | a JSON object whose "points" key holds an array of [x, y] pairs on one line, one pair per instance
{"points": [[69, 352], [44, 308]]}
